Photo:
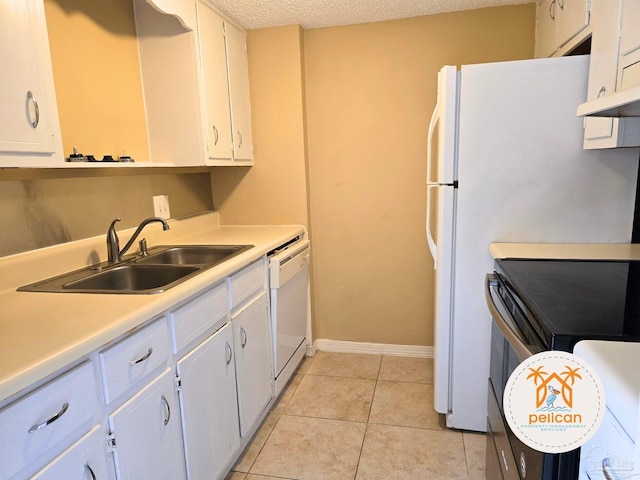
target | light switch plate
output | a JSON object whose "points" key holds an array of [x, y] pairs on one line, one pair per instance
{"points": [[161, 206]]}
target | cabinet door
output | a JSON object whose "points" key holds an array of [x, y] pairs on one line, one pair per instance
{"points": [[146, 432], [29, 120], [252, 341], [85, 459], [605, 132], [546, 28], [209, 407], [572, 18], [602, 70], [216, 89], [239, 93], [629, 62]]}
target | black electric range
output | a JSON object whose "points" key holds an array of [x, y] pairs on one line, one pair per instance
{"points": [[550, 305], [566, 301]]}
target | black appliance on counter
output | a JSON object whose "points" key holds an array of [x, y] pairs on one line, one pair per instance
{"points": [[539, 305]]}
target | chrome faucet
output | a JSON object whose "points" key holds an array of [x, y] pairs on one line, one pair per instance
{"points": [[114, 254]]}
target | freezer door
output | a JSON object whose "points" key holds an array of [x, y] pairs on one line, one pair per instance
{"points": [[441, 151], [444, 198]]}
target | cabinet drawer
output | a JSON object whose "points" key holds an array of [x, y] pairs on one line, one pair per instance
{"points": [[84, 459], [208, 312], [134, 359], [42, 424], [245, 283]]}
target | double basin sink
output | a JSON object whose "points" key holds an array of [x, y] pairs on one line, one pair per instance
{"points": [[161, 268]]}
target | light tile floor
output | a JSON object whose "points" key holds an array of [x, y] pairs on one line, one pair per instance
{"points": [[360, 417]]}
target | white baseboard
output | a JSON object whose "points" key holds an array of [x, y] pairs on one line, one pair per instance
{"points": [[340, 346]]}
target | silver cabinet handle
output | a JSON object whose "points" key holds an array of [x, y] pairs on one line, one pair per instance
{"points": [[240, 137], [551, 10], [561, 4], [89, 470], [215, 133], [142, 358], [228, 352], [32, 102], [243, 337], [602, 91], [62, 411], [166, 404]]}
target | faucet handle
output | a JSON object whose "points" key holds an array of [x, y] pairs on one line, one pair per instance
{"points": [[143, 247]]}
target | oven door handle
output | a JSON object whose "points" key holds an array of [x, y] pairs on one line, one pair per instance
{"points": [[513, 337]]}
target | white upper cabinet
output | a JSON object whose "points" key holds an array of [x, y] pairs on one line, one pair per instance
{"points": [[561, 25], [606, 132], [215, 82], [29, 128], [237, 67], [195, 82], [629, 52]]}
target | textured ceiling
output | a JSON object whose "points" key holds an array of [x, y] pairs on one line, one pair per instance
{"points": [[252, 14]]}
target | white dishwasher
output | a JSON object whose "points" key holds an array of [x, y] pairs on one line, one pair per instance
{"points": [[289, 285]]}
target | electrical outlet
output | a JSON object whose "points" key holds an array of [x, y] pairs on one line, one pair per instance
{"points": [[161, 206]]}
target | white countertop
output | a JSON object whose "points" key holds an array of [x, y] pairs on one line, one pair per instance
{"points": [[618, 366], [41, 333], [592, 251]]}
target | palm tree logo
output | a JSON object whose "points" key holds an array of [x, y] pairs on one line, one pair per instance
{"points": [[566, 379], [537, 374]]}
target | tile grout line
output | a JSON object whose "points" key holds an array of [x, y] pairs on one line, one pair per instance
{"points": [[366, 428]]}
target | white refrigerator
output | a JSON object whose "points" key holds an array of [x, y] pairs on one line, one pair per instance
{"points": [[506, 164]]}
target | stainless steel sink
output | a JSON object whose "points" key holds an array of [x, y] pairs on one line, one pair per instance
{"points": [[133, 278], [162, 268], [192, 254]]}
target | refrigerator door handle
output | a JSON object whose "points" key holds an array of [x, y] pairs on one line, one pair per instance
{"points": [[430, 237], [435, 118]]}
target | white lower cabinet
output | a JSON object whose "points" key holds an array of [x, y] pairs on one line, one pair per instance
{"points": [[85, 459], [208, 405], [39, 426], [251, 336], [145, 433], [165, 414]]}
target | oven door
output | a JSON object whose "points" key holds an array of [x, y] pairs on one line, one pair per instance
{"points": [[508, 349]]}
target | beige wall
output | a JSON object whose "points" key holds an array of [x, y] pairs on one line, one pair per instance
{"points": [[274, 190], [366, 93], [97, 76], [370, 90]]}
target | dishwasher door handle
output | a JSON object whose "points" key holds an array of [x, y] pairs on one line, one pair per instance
{"points": [[286, 265]]}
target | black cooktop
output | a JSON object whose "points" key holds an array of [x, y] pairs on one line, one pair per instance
{"points": [[573, 300]]}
